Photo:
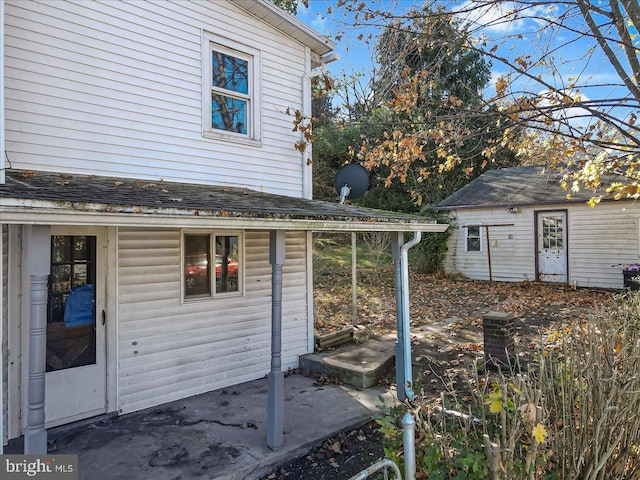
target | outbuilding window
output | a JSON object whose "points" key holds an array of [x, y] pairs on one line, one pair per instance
{"points": [[212, 265], [473, 239]]}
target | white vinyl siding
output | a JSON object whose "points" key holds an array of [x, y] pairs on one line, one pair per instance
{"points": [[169, 350], [4, 316], [598, 240], [510, 246], [115, 88]]}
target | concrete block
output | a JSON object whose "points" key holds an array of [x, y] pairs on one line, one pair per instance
{"points": [[359, 365]]}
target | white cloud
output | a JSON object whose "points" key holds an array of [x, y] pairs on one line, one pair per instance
{"points": [[319, 24], [576, 117], [313, 17], [501, 17]]}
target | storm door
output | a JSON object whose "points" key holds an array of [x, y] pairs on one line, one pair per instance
{"points": [[75, 357]]}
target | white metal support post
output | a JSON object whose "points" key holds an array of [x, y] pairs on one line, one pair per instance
{"points": [[275, 402], [354, 278]]}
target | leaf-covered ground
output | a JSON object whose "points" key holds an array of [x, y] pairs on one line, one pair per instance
{"points": [[446, 321], [435, 298]]}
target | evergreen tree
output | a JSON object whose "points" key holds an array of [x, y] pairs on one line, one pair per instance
{"points": [[426, 76]]}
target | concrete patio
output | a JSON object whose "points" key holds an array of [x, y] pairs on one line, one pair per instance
{"points": [[217, 435]]}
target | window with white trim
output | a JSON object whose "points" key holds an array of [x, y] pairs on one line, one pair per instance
{"points": [[212, 265], [473, 241], [231, 91]]}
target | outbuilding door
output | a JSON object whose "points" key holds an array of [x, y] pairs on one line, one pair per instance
{"points": [[75, 376], [551, 246]]}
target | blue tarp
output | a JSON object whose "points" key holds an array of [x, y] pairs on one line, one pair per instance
{"points": [[80, 306]]}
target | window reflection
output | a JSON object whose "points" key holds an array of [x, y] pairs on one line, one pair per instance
{"points": [[553, 233], [197, 259], [227, 264], [229, 92], [71, 336]]}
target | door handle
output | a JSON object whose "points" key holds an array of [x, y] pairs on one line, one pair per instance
{"points": [[104, 317]]}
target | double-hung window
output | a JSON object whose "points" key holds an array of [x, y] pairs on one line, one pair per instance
{"points": [[231, 94], [230, 100], [212, 265], [473, 239]]}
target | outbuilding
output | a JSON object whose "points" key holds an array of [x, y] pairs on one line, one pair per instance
{"points": [[518, 224]]}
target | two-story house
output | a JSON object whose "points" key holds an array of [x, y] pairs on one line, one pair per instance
{"points": [[156, 216]]}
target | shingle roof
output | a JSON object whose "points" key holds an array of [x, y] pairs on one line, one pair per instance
{"points": [[111, 195], [511, 187]]}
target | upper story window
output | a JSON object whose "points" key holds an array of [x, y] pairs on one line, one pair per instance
{"points": [[473, 239], [231, 93], [230, 98]]}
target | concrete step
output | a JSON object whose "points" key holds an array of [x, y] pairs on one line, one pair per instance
{"points": [[360, 365]]}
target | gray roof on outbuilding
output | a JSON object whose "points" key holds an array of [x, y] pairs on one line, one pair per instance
{"points": [[25, 191], [517, 186]]}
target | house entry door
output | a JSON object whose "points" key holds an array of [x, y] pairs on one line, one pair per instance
{"points": [[75, 379], [552, 246]]}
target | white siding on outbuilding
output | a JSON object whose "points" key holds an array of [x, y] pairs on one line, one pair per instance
{"points": [[512, 247], [115, 89], [599, 240], [4, 315], [168, 349]]}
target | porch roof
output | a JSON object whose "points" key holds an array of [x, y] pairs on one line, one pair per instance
{"points": [[38, 197]]}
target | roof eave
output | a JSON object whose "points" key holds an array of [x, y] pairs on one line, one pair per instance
{"points": [[52, 213], [525, 204], [288, 24]]}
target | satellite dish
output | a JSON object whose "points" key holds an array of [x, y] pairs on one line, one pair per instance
{"points": [[351, 182]]}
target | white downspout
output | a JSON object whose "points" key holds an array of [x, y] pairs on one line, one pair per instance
{"points": [[1, 246], [404, 261], [2, 139], [404, 376], [307, 178]]}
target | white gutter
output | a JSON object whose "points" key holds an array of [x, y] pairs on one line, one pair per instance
{"points": [[307, 176], [22, 214], [2, 138], [1, 246]]}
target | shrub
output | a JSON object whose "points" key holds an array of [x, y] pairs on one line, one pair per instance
{"points": [[573, 413], [593, 394], [432, 250]]}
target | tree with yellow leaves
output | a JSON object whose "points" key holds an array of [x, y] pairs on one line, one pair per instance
{"points": [[419, 132], [565, 88]]}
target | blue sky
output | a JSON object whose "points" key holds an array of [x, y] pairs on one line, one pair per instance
{"points": [[356, 54]]}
